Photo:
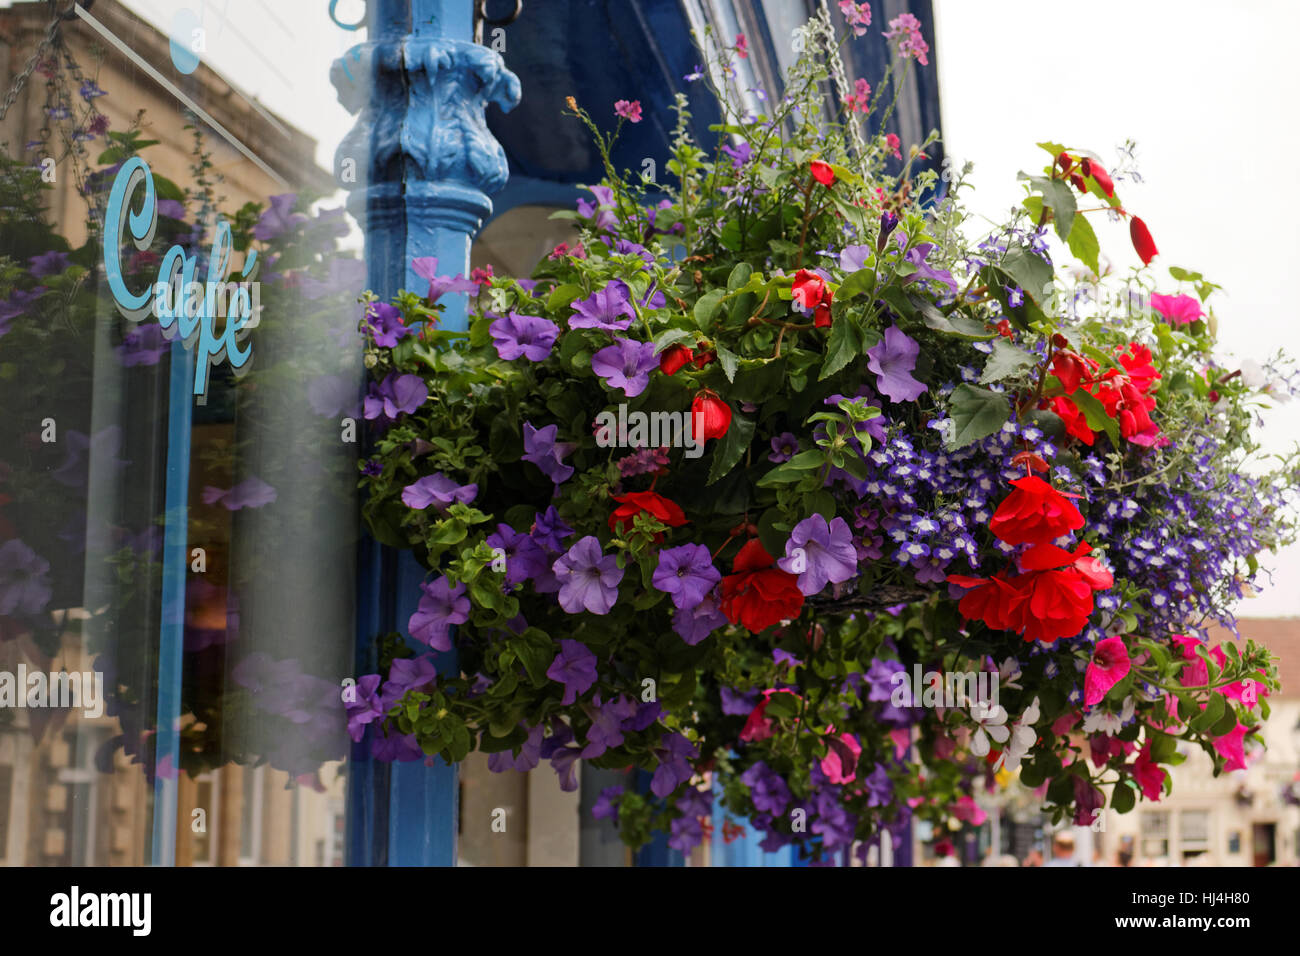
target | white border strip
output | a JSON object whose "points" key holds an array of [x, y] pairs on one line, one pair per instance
{"points": [[172, 89]]}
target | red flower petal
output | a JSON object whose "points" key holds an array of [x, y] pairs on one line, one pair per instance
{"points": [[822, 172], [1142, 241]]}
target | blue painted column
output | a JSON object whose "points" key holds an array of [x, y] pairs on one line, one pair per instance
{"points": [[420, 165]]}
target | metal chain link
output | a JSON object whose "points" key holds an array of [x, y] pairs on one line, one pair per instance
{"points": [[21, 79]]}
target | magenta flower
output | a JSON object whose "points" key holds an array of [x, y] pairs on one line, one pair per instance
{"points": [[541, 448], [1230, 747], [820, 553], [626, 365], [630, 111], [574, 667], [608, 309], [437, 490], [528, 335], [686, 574], [1109, 665], [1177, 309], [588, 578], [907, 30], [893, 359], [857, 15], [440, 607]]}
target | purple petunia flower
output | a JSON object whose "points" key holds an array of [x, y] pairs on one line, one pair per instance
{"points": [[820, 553], [588, 579], [606, 730], [574, 667], [784, 447], [252, 492], [48, 263], [647, 712], [279, 218], [24, 579], [549, 529], [608, 309], [385, 324], [605, 807], [396, 748], [601, 210], [626, 365], [767, 789], [439, 490], [530, 754], [675, 753], [737, 704], [406, 674], [368, 706], [541, 448], [440, 607], [893, 359], [525, 558], [853, 258], [17, 304], [917, 255], [685, 834], [880, 789], [695, 624], [686, 574], [395, 395], [740, 154], [143, 345], [426, 267], [528, 335]]}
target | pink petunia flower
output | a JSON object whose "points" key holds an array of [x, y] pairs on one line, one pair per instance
{"points": [[1110, 664], [1177, 309]]}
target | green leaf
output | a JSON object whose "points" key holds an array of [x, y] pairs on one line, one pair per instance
{"points": [[856, 284], [1122, 798], [707, 306], [976, 413], [1060, 199], [1029, 271], [739, 276], [670, 337], [842, 347], [1094, 412], [563, 295], [1083, 243], [731, 447], [955, 324], [727, 359], [1006, 360]]}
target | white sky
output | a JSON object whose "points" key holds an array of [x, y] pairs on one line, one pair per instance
{"points": [[1208, 90]]}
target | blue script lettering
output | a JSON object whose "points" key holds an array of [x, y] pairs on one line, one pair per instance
{"points": [[184, 309]]}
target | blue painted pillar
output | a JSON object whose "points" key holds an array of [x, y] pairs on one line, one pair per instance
{"points": [[420, 165]]}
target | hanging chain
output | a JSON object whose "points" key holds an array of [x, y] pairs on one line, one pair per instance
{"points": [[51, 32]]}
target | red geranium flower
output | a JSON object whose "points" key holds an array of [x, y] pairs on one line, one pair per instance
{"points": [[808, 289], [1142, 241], [710, 416], [1076, 423], [1091, 167], [995, 601], [1035, 513], [645, 502], [1071, 369], [822, 172], [758, 594], [1059, 586], [673, 358]]}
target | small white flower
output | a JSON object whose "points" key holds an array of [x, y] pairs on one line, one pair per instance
{"points": [[1023, 736], [1009, 673], [991, 721]]}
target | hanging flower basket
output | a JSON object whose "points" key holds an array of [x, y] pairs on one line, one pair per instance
{"points": [[786, 487]]}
